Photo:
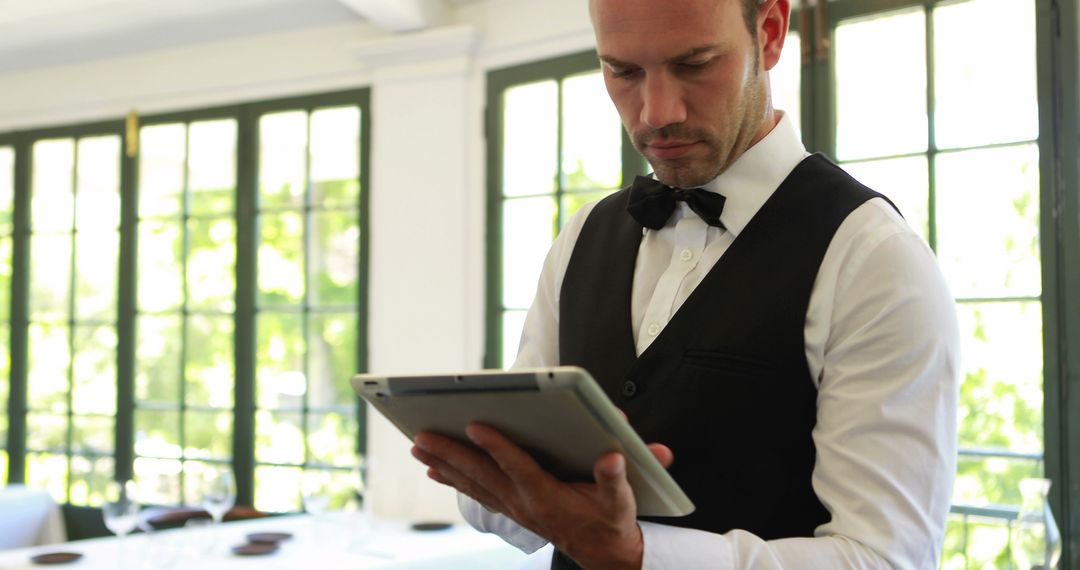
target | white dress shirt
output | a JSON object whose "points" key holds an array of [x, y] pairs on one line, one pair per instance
{"points": [[882, 347]]}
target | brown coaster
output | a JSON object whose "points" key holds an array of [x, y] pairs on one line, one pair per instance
{"points": [[252, 549], [55, 557], [268, 537]]}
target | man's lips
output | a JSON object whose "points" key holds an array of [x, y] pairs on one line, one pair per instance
{"points": [[670, 149]]}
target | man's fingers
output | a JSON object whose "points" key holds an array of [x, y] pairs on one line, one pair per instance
{"points": [[610, 474], [472, 463], [444, 473], [663, 454], [519, 466]]}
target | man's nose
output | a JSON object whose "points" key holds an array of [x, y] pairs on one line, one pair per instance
{"points": [[662, 102]]}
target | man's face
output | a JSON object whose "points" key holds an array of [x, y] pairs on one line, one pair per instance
{"points": [[687, 80]]}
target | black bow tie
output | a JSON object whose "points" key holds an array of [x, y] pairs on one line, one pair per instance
{"points": [[651, 203]]}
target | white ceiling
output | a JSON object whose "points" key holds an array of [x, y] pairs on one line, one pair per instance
{"points": [[40, 33]]}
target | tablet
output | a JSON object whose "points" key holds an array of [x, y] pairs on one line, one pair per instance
{"points": [[559, 415]]}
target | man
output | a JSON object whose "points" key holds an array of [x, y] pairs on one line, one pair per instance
{"points": [[794, 348]]}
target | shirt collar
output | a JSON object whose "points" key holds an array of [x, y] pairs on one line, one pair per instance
{"points": [[755, 175]]}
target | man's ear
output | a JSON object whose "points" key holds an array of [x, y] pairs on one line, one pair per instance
{"points": [[772, 23]]}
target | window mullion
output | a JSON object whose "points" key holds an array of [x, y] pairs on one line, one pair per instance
{"points": [[20, 314], [124, 444], [246, 285]]}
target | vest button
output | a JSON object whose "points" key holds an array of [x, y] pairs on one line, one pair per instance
{"points": [[629, 388]]}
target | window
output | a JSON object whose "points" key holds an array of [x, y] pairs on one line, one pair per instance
{"points": [[308, 301], [193, 292], [72, 335], [184, 390]]}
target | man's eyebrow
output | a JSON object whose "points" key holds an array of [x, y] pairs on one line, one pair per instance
{"points": [[616, 62]]}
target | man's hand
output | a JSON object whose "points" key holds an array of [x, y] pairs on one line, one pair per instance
{"points": [[594, 523]]}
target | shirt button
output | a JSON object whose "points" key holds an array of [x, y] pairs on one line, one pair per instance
{"points": [[629, 388], [686, 255], [654, 329]]}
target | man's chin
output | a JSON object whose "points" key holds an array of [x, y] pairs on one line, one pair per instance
{"points": [[682, 176]]}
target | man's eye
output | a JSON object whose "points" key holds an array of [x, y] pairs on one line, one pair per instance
{"points": [[694, 65], [623, 72]]}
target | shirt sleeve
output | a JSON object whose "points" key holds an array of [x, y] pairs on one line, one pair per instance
{"points": [[882, 339]]}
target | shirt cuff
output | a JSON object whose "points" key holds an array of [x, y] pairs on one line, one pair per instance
{"points": [[484, 520], [670, 547]]}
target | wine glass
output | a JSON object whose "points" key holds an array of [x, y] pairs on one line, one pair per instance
{"points": [[218, 492], [121, 512]]}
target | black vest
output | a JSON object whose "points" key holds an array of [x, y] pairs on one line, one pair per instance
{"points": [[726, 384]]}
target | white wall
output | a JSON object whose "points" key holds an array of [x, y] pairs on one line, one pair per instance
{"points": [[427, 168]]}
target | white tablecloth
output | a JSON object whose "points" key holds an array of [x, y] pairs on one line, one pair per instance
{"points": [[29, 517], [332, 542]]}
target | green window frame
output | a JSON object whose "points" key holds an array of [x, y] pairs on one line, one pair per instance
{"points": [[232, 208]]}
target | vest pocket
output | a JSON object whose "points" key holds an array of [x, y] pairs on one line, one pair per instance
{"points": [[731, 363]]}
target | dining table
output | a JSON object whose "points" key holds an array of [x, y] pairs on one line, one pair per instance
{"points": [[340, 540], [29, 517]]}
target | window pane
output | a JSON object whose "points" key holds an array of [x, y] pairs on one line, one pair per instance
{"points": [[277, 489], [332, 349], [905, 181], [281, 382], [335, 156], [527, 232], [208, 435], [592, 139], [212, 166], [990, 200], [97, 258], [94, 373], [283, 159], [48, 471], [162, 154], [7, 188], [97, 196], [513, 323], [209, 366], [50, 277], [159, 481], [985, 87], [334, 259], [161, 251], [281, 259], [46, 432], [92, 435], [52, 199], [5, 367], [5, 279], [332, 438], [786, 80], [50, 356], [89, 476], [881, 64], [211, 264], [530, 129], [279, 437], [1001, 397], [157, 433], [157, 358]]}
